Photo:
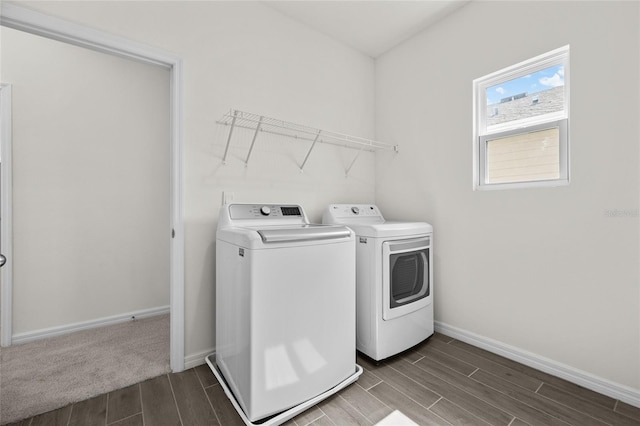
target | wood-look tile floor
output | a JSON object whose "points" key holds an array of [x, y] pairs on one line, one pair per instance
{"points": [[441, 381]]}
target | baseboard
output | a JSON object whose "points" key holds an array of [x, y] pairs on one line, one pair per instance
{"points": [[606, 387], [197, 359], [31, 336]]}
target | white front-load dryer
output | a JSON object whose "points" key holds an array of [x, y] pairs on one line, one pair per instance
{"points": [[394, 279]]}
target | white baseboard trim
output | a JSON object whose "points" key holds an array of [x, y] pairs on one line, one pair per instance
{"points": [[31, 336], [606, 387], [197, 359]]}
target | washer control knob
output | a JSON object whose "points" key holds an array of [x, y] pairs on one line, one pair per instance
{"points": [[355, 210], [265, 210]]}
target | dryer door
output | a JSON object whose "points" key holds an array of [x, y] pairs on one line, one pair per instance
{"points": [[406, 276]]}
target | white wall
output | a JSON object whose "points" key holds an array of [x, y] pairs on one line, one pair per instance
{"points": [[90, 183], [248, 56], [543, 270], [540, 269]]}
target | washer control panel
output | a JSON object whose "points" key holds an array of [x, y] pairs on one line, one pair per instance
{"points": [[264, 211]]}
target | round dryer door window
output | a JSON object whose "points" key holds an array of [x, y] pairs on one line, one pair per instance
{"points": [[406, 276], [409, 282]]}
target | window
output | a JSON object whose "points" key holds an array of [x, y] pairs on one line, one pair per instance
{"points": [[521, 120]]}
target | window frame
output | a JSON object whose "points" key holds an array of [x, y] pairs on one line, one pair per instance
{"points": [[482, 133]]}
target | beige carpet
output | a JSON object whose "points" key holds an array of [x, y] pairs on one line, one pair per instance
{"points": [[47, 374]]}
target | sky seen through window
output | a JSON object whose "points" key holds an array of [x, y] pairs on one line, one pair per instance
{"points": [[538, 81]]}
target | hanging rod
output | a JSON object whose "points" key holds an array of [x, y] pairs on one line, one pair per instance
{"points": [[261, 123]]}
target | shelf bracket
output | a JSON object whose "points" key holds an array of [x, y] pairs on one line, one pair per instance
{"points": [[253, 141], [346, 173], [310, 149], [226, 150]]}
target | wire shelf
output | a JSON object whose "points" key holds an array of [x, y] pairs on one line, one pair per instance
{"points": [[261, 123]]}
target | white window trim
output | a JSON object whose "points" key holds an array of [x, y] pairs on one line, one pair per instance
{"points": [[557, 119]]}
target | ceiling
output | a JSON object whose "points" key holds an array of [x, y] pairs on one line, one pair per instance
{"points": [[372, 27]]}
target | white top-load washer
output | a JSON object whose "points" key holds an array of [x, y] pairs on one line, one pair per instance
{"points": [[394, 275], [285, 310]]}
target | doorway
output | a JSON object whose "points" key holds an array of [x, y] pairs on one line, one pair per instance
{"points": [[29, 21]]}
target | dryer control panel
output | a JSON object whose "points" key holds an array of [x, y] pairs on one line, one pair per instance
{"points": [[360, 212]]}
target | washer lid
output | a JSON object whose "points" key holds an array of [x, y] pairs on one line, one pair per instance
{"points": [[256, 237], [390, 229], [277, 234]]}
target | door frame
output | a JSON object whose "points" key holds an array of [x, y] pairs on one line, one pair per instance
{"points": [[30, 21], [6, 229]]}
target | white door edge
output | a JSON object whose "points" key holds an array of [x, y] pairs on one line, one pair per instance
{"points": [[6, 233]]}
